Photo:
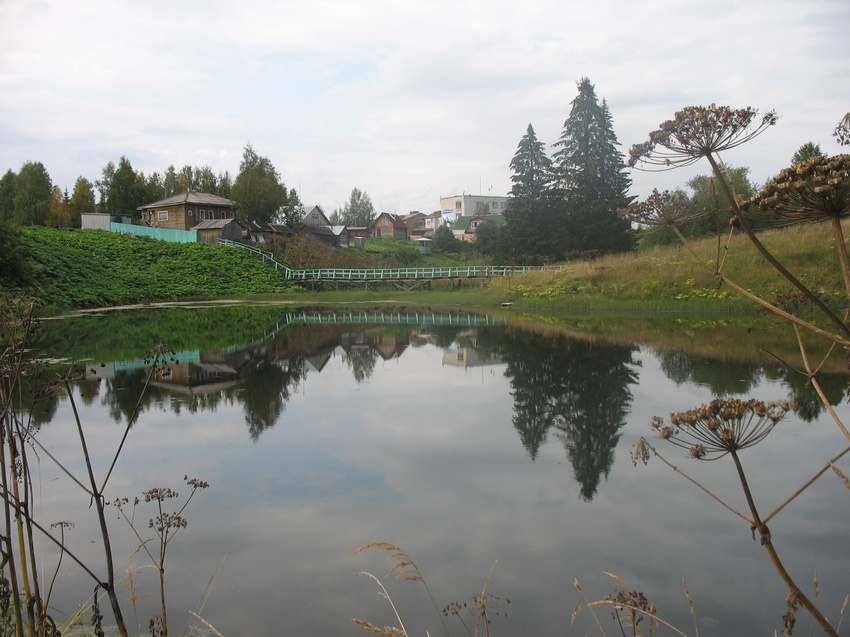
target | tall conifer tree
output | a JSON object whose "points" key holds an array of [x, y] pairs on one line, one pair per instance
{"points": [[527, 234], [590, 176], [531, 166]]}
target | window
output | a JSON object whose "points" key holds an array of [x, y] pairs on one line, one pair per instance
{"points": [[495, 205], [457, 205], [162, 215], [202, 214]]}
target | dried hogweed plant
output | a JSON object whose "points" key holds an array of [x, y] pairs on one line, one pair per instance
{"points": [[165, 525], [726, 427], [842, 131], [813, 190], [698, 132]]}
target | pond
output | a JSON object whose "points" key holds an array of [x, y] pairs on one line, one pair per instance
{"points": [[491, 450]]}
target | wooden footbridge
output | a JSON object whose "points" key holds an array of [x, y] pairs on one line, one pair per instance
{"points": [[405, 278]]}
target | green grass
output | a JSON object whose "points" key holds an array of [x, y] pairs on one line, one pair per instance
{"points": [[90, 268]]}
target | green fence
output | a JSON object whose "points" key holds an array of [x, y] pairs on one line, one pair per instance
{"points": [[163, 234]]}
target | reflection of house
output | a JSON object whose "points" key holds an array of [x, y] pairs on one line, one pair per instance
{"points": [[388, 225], [390, 345], [184, 211], [465, 353], [197, 377]]}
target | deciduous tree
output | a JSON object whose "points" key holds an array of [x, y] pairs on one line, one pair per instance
{"points": [[358, 211], [82, 200], [7, 196], [58, 210], [33, 189], [258, 192], [122, 190]]}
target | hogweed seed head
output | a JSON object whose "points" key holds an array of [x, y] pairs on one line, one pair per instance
{"points": [[661, 209], [711, 431], [699, 131], [818, 188]]}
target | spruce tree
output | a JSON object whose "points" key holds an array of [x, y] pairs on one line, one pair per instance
{"points": [[590, 178], [532, 168]]}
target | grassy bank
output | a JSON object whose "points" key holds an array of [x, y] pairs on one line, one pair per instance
{"points": [[89, 268]]}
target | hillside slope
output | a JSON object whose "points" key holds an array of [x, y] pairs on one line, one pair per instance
{"points": [[88, 268]]}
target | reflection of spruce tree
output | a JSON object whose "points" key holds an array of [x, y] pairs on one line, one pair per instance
{"points": [[361, 361], [807, 404], [723, 377], [580, 388], [593, 408], [265, 390]]}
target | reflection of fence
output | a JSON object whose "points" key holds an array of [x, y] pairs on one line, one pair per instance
{"points": [[367, 276], [395, 318]]}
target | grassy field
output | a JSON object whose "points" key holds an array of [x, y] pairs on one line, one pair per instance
{"points": [[89, 268]]}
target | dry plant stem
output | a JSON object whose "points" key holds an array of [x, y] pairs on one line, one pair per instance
{"points": [[813, 379], [764, 533], [842, 252], [826, 467], [744, 292], [767, 254], [696, 483], [130, 421], [19, 528], [8, 551], [608, 602], [97, 499]]}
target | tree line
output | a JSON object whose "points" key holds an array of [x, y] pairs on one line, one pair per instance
{"points": [[29, 197]]}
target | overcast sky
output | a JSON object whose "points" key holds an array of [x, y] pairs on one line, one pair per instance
{"points": [[408, 101]]}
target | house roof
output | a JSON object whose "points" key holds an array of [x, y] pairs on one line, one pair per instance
{"points": [[212, 224], [190, 197], [396, 220], [463, 223]]}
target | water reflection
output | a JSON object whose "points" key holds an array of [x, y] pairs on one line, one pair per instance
{"points": [[577, 389], [466, 441]]}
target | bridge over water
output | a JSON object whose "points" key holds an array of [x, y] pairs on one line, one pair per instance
{"points": [[407, 278]]}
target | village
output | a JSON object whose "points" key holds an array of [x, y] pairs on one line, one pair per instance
{"points": [[201, 217]]}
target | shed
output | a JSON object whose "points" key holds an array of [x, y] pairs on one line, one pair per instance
{"points": [[423, 245], [211, 230]]}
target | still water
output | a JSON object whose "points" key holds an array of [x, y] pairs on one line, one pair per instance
{"points": [[476, 444]]}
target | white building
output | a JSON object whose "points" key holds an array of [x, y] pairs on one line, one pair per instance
{"points": [[469, 205]]}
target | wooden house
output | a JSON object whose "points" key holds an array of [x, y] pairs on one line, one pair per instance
{"points": [[211, 230], [342, 236], [314, 216], [415, 223], [465, 227], [322, 234], [388, 225], [186, 210]]}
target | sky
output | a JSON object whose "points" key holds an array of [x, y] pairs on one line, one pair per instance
{"points": [[407, 101]]}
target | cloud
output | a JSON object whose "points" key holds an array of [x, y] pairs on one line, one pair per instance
{"points": [[406, 101]]}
